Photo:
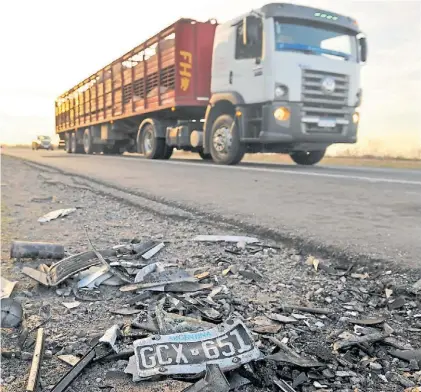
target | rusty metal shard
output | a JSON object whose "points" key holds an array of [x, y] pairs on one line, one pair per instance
{"points": [[36, 362], [214, 381], [228, 345]]}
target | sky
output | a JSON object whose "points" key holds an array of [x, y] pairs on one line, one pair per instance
{"points": [[49, 46]]}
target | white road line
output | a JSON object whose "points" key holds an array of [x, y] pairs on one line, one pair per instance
{"points": [[283, 171]]}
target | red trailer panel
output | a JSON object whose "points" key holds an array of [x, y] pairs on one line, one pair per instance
{"points": [[171, 69]]}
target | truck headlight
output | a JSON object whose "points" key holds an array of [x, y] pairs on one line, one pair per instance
{"points": [[281, 91], [282, 114], [355, 118]]}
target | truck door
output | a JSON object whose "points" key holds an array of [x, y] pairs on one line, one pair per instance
{"points": [[246, 76]]}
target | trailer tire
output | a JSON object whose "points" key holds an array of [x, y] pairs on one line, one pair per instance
{"points": [[67, 143], [149, 144], [221, 139], [307, 158], [88, 142], [205, 157]]}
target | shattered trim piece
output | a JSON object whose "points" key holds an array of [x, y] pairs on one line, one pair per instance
{"points": [[152, 252], [110, 336], [229, 345], [214, 381]]}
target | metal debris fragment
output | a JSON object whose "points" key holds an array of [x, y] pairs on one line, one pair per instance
{"points": [[282, 385], [67, 267], [289, 307], [368, 321], [214, 381], [152, 252], [11, 313], [56, 214], [94, 274], [110, 336], [354, 341], [33, 378], [6, 287]]}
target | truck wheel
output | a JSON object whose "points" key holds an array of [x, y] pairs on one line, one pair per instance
{"points": [[205, 157], [307, 157], [67, 142], [225, 145], [150, 145], [88, 143], [75, 147], [168, 152]]}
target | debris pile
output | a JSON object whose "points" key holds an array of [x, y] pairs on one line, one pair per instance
{"points": [[189, 326]]}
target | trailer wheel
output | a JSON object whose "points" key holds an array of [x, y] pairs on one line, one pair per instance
{"points": [[88, 142], [226, 147], [205, 157], [307, 158], [150, 145], [67, 142]]}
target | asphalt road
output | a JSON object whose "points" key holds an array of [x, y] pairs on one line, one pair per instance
{"points": [[358, 212]]}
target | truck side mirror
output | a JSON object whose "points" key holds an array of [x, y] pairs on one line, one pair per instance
{"points": [[363, 49], [251, 25]]}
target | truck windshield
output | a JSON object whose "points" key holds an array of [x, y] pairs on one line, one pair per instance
{"points": [[321, 41]]}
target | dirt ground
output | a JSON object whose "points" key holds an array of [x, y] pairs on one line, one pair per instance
{"points": [[111, 220]]}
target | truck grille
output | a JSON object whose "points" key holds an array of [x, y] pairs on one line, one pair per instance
{"points": [[319, 104]]}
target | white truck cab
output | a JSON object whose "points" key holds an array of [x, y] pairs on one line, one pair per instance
{"points": [[287, 79]]}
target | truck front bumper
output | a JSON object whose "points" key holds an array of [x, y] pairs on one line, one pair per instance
{"points": [[302, 128]]}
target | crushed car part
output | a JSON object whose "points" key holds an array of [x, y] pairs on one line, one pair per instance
{"points": [[229, 345], [33, 379], [67, 267], [36, 250], [11, 313]]}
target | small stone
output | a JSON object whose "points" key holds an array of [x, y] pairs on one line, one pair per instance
{"points": [[25, 356], [328, 373], [328, 300], [319, 324], [340, 373], [48, 354], [413, 364], [27, 294], [375, 366], [10, 379], [98, 380]]}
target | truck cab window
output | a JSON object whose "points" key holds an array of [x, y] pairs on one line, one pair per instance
{"points": [[251, 51]]}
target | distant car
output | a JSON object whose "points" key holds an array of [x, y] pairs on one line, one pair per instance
{"points": [[42, 142]]}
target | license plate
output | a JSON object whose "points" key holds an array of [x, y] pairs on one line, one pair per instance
{"points": [[326, 123], [229, 345]]}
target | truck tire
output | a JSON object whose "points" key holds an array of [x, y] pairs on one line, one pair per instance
{"points": [[67, 142], [205, 157], [74, 146], [149, 144], [168, 152], [307, 158], [88, 142], [225, 147]]}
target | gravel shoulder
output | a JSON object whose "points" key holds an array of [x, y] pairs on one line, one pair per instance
{"points": [[289, 276]]}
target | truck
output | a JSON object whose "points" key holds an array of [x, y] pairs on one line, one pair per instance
{"points": [[284, 78]]}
